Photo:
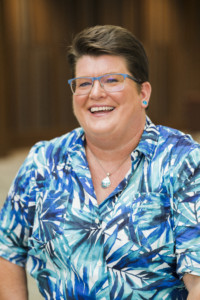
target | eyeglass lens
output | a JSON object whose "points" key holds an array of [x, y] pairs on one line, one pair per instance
{"points": [[110, 83]]}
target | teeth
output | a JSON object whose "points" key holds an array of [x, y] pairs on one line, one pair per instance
{"points": [[102, 108]]}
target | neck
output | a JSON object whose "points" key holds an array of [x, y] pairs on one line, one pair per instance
{"points": [[107, 149]]}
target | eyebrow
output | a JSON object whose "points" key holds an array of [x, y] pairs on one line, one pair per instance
{"points": [[101, 75]]}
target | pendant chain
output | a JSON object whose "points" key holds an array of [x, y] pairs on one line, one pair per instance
{"points": [[106, 181]]}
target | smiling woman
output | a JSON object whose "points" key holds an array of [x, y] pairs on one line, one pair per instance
{"points": [[111, 209], [124, 103]]}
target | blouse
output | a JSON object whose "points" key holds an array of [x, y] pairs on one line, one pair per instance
{"points": [[137, 244]]}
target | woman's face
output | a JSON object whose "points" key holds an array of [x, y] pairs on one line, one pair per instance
{"points": [[103, 114]]}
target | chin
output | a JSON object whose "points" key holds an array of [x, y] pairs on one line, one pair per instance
{"points": [[99, 132]]}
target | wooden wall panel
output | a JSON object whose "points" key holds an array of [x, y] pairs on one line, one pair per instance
{"points": [[35, 98], [3, 127]]}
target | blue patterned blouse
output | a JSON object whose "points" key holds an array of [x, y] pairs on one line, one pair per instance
{"points": [[137, 244]]}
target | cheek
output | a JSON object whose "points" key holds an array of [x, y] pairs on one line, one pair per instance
{"points": [[78, 105], [133, 98], [79, 101], [76, 108]]}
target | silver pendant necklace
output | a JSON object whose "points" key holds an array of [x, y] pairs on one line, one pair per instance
{"points": [[106, 182]]}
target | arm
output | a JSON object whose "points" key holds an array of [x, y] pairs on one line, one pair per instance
{"points": [[192, 283], [187, 220], [13, 284]]}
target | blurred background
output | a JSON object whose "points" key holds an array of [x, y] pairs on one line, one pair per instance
{"points": [[35, 100]]}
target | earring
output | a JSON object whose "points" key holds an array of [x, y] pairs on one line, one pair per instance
{"points": [[144, 102]]}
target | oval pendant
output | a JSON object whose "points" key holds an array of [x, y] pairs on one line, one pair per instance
{"points": [[105, 182]]}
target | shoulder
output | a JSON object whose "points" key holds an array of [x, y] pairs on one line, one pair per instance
{"points": [[58, 146], [181, 154], [174, 136], [46, 154], [67, 140], [176, 141], [165, 144]]}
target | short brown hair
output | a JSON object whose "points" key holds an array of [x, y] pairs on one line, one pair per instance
{"points": [[111, 40]]}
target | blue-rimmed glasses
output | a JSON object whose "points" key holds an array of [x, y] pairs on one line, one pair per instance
{"points": [[110, 83]]}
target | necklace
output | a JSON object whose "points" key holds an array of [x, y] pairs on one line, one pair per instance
{"points": [[105, 183]]}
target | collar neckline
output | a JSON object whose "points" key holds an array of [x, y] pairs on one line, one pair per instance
{"points": [[147, 143], [149, 139]]}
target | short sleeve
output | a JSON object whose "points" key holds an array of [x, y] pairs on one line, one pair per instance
{"points": [[17, 214], [187, 213]]}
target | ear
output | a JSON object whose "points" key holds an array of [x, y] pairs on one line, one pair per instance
{"points": [[145, 94]]}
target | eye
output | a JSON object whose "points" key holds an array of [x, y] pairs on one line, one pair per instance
{"points": [[111, 80], [83, 84]]}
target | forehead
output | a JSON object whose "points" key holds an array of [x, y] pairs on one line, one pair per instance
{"points": [[89, 65]]}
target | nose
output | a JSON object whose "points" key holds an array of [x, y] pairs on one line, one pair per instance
{"points": [[97, 90]]}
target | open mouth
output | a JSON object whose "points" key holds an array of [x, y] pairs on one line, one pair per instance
{"points": [[101, 109]]}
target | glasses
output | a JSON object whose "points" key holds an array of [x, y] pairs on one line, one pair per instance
{"points": [[110, 83]]}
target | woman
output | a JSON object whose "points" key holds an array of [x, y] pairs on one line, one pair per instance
{"points": [[110, 210]]}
